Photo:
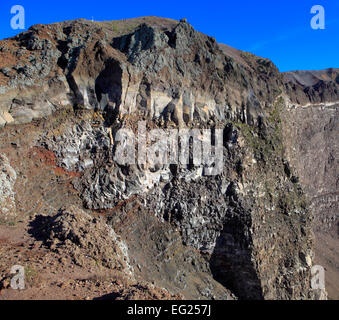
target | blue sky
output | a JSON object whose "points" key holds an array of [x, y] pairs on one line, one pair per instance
{"points": [[276, 29]]}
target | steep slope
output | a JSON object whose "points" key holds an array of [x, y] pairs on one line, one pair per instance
{"points": [[68, 89], [311, 139]]}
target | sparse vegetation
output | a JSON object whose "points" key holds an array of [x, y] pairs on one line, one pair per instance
{"points": [[264, 146], [32, 277], [6, 222]]}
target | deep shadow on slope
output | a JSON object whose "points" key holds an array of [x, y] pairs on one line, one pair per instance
{"points": [[231, 263]]}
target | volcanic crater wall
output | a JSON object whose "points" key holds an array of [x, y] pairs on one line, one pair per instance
{"points": [[248, 228]]}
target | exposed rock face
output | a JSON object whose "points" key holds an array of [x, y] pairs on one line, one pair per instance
{"points": [[7, 194], [311, 139], [312, 133], [178, 74], [312, 87], [244, 232]]}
